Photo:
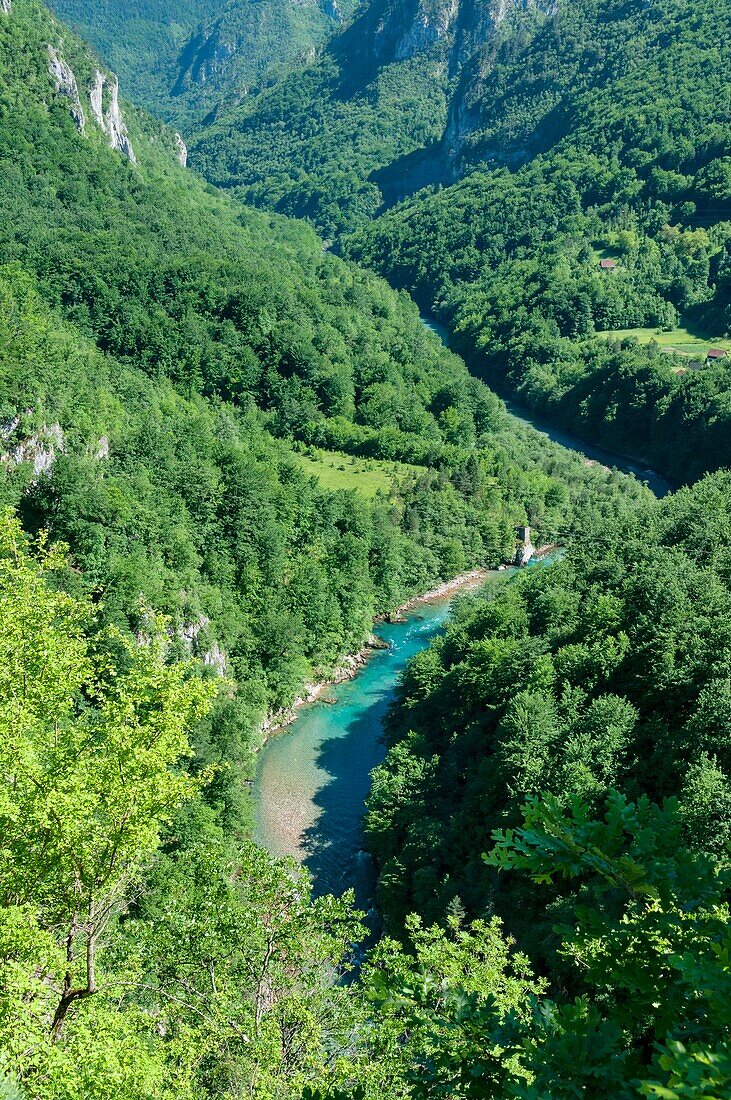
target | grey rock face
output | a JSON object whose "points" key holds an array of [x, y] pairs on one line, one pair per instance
{"points": [[190, 635], [103, 95], [8, 427], [525, 549], [182, 150], [429, 26], [105, 86], [40, 448], [476, 44], [502, 8], [66, 85], [215, 658], [6, 6]]}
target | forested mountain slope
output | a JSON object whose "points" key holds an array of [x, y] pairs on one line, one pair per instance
{"points": [[220, 317], [582, 263], [166, 357], [594, 280], [316, 143], [183, 60], [593, 141], [414, 94], [141, 41], [381, 114], [247, 46]]}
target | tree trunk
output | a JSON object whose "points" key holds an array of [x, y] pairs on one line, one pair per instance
{"points": [[71, 994]]}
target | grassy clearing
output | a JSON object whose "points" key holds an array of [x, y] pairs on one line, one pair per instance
{"points": [[368, 476], [605, 253], [685, 341]]}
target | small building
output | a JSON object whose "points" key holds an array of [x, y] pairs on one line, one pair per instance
{"points": [[608, 265], [695, 364], [525, 549], [715, 354]]}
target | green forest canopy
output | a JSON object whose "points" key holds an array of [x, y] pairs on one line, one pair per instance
{"points": [[184, 61], [172, 367], [598, 132]]}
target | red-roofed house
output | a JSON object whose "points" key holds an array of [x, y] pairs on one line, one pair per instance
{"points": [[716, 353], [607, 265]]}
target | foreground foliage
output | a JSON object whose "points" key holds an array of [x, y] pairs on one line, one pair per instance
{"points": [[575, 725], [127, 971], [172, 370]]}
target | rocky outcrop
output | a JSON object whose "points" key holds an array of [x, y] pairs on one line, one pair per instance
{"points": [[214, 657], [429, 27], [105, 88], [525, 549], [182, 150], [103, 95], [192, 636], [6, 6], [66, 85], [206, 56], [8, 427], [502, 8], [477, 42], [40, 448]]}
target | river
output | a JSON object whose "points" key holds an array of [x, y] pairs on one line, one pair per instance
{"points": [[523, 415], [314, 776]]}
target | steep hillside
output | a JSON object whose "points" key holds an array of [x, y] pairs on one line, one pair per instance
{"points": [[582, 261], [388, 109], [593, 280], [141, 41], [171, 368], [559, 771], [222, 450], [179, 290], [416, 94], [248, 45], [183, 60]]}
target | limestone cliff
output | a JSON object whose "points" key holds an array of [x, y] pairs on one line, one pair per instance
{"points": [[182, 150], [104, 99], [480, 37], [460, 40], [67, 86], [432, 23], [194, 636], [39, 448], [101, 94]]}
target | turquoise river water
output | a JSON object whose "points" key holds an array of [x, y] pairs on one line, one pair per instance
{"points": [[313, 777]]}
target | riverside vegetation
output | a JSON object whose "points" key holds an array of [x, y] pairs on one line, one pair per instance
{"points": [[178, 375]]}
